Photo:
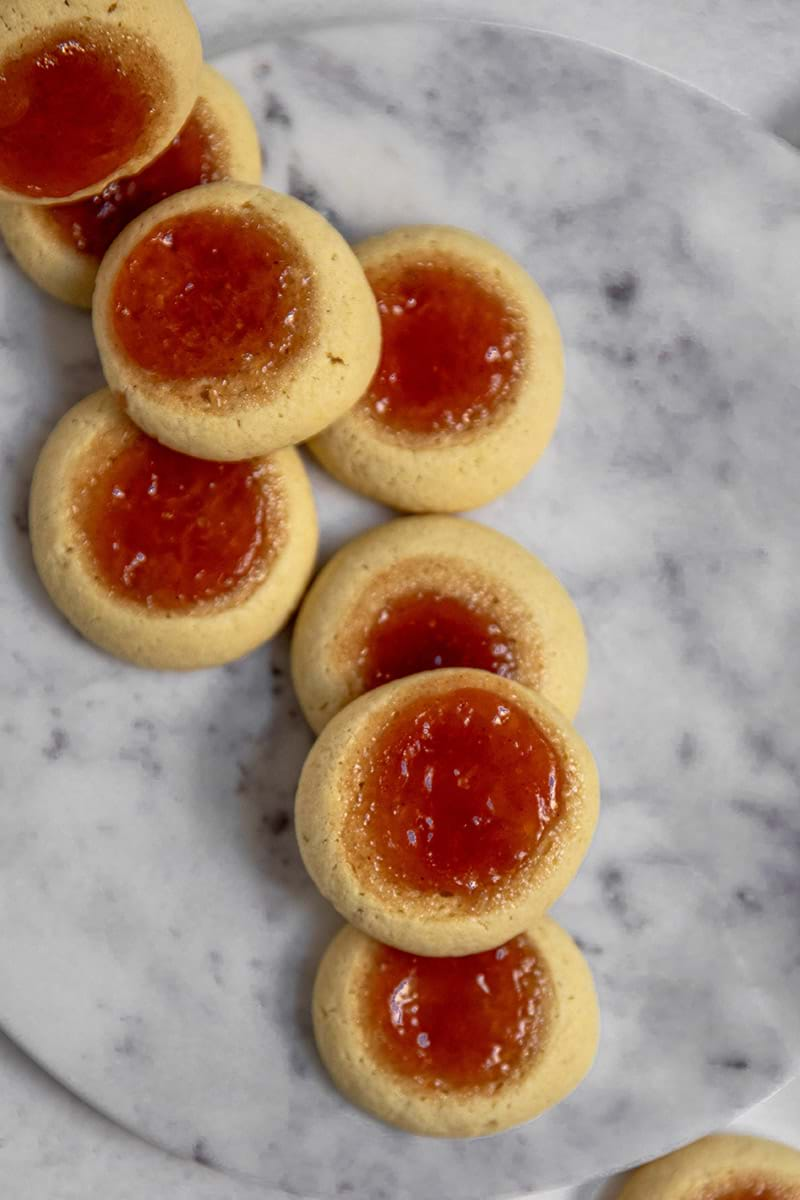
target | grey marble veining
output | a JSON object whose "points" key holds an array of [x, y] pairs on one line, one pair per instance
{"points": [[162, 932], [743, 51]]}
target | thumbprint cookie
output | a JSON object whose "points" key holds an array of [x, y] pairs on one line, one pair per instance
{"points": [[468, 388], [721, 1167], [90, 91], [161, 559], [234, 320], [420, 593], [456, 1047], [445, 812], [60, 246]]}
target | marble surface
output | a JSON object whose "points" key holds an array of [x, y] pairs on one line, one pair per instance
{"points": [[742, 51], [54, 1148], [768, 761]]}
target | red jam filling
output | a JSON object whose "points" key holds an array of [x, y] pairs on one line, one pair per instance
{"points": [[453, 1023], [454, 794], [452, 349], [169, 531], [206, 293], [73, 109], [421, 630], [191, 158]]}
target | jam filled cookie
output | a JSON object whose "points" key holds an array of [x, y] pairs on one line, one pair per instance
{"points": [[456, 1047], [425, 592], [469, 385], [445, 812], [60, 246], [165, 560], [722, 1167], [90, 91], [234, 320]]}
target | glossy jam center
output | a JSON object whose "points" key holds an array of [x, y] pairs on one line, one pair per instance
{"points": [[452, 349], [192, 158], [169, 531], [455, 794], [209, 293], [455, 1023], [73, 108], [422, 630]]}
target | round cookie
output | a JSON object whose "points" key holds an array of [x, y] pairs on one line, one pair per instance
{"points": [[90, 91], [277, 335], [60, 246], [436, 591], [468, 390], [161, 559], [722, 1167], [445, 812], [472, 1046]]}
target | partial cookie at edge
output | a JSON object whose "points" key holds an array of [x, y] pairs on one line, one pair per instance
{"points": [[47, 257], [165, 25]]}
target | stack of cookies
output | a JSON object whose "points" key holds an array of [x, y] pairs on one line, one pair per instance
{"points": [[446, 804], [448, 800], [172, 519]]}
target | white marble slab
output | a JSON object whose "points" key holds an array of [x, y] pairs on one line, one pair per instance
{"points": [[54, 1148], [745, 52], [161, 930]]}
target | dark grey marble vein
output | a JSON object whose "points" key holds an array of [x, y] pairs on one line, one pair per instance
{"points": [[163, 933]]}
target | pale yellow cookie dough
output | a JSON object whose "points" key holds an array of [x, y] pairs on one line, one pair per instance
{"points": [[210, 632], [434, 923], [51, 258], [253, 411], [167, 47], [452, 557], [569, 1039], [722, 1167], [453, 471]]}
